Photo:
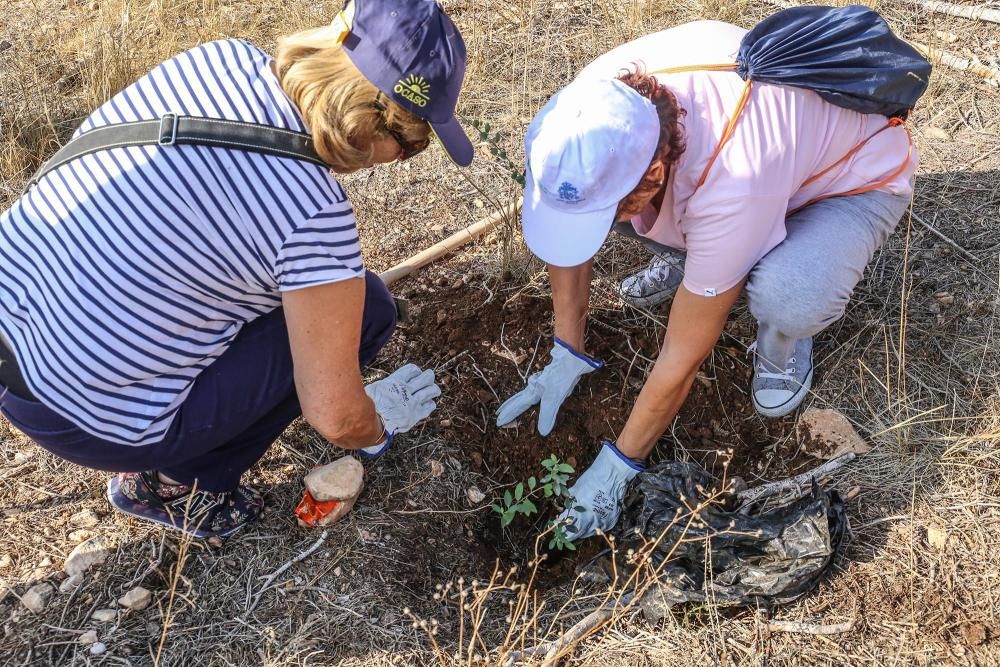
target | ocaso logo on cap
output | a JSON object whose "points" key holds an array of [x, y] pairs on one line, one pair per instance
{"points": [[414, 88]]}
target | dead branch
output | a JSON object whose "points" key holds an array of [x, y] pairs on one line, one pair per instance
{"points": [[274, 575], [971, 12], [991, 74], [810, 628], [584, 626], [775, 488]]}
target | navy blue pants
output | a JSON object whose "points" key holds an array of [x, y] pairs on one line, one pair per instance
{"points": [[236, 409]]}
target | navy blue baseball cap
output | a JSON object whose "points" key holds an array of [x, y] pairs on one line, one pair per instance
{"points": [[414, 54]]}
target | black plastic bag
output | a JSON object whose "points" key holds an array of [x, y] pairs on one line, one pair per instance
{"points": [[731, 554], [848, 55]]}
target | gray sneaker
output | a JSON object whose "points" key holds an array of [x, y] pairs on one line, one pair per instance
{"points": [[777, 392], [655, 284]]}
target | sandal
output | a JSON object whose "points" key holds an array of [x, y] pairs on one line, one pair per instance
{"points": [[200, 514]]}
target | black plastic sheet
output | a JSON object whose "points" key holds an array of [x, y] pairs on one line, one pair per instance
{"points": [[730, 554], [848, 55]]}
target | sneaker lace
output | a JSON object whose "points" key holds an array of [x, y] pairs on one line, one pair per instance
{"points": [[763, 372]]}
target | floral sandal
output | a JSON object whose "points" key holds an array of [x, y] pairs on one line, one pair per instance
{"points": [[198, 513]]}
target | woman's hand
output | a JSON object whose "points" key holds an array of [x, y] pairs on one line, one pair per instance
{"points": [[693, 328], [554, 383], [324, 331]]}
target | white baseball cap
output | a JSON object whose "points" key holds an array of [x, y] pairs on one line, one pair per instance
{"points": [[584, 151]]}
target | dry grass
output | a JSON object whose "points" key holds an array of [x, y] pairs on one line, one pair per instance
{"points": [[918, 377]]}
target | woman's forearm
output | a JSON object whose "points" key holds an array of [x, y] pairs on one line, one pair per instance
{"points": [[659, 402], [571, 301]]}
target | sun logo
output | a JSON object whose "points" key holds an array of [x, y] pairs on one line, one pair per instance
{"points": [[415, 89]]}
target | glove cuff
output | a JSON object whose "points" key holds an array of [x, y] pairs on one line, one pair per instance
{"points": [[593, 362], [635, 467]]}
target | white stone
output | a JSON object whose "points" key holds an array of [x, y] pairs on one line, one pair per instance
{"points": [[937, 537], [85, 519], [474, 495], [104, 615], [341, 481], [70, 584], [80, 535], [89, 637], [136, 599], [436, 469], [86, 555], [37, 597], [98, 648], [5, 561]]}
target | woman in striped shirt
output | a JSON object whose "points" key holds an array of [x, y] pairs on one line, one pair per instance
{"points": [[167, 311]]}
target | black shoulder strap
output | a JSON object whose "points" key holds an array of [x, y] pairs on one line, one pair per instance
{"points": [[173, 129]]}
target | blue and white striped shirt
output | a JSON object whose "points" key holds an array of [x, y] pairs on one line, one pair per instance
{"points": [[125, 273]]}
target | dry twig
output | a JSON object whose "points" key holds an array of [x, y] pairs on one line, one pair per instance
{"points": [[277, 573], [980, 13], [775, 488], [810, 628]]}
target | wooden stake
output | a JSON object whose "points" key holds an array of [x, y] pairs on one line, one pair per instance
{"points": [[453, 242], [963, 11]]}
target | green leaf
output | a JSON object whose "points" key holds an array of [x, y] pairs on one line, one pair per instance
{"points": [[551, 461], [519, 490], [496, 508], [532, 482], [564, 467], [528, 507], [506, 519], [475, 123], [552, 544], [507, 498], [547, 490], [570, 546]]}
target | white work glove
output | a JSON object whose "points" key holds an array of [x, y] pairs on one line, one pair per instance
{"points": [[401, 400], [597, 495], [549, 386]]}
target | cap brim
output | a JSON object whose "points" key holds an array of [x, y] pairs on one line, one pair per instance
{"points": [[455, 142], [560, 238]]}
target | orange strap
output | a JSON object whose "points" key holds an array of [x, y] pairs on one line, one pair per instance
{"points": [[741, 107], [310, 511]]}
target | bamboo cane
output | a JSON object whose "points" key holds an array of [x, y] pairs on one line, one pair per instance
{"points": [[453, 242]]}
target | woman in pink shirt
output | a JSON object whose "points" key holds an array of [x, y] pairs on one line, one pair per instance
{"points": [[776, 212]]}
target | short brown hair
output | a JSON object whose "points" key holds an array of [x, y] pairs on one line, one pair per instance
{"points": [[670, 145], [337, 102]]}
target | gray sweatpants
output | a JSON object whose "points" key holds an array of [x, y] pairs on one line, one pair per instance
{"points": [[804, 284]]}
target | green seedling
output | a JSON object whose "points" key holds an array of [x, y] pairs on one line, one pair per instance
{"points": [[493, 140], [552, 485]]}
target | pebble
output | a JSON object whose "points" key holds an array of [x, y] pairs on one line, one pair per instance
{"points": [[85, 519], [826, 434], [458, 283], [436, 469], [442, 316], [98, 649], [215, 541], [944, 298], [89, 637], [87, 555], [937, 537], [445, 423], [70, 584], [477, 459], [5, 44], [80, 535], [337, 571], [37, 597], [105, 615], [474, 495], [5, 561], [152, 629], [136, 599]]}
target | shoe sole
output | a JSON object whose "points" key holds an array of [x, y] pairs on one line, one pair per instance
{"points": [[790, 405], [126, 506], [649, 301]]}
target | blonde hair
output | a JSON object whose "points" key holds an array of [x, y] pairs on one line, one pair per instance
{"points": [[338, 102]]}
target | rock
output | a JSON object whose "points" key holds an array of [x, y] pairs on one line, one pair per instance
{"points": [[458, 283], [37, 597], [826, 434], [337, 571], [436, 469], [89, 637], [474, 495], [932, 132], [98, 648], [442, 316], [4, 45], [974, 634], [80, 535], [105, 615], [215, 541], [944, 298], [937, 537], [477, 459], [85, 519], [86, 555], [136, 599], [152, 629], [70, 584], [445, 423], [5, 561], [342, 481]]}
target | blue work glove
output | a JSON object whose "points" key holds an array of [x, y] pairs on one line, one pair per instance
{"points": [[597, 494], [549, 386], [401, 400]]}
